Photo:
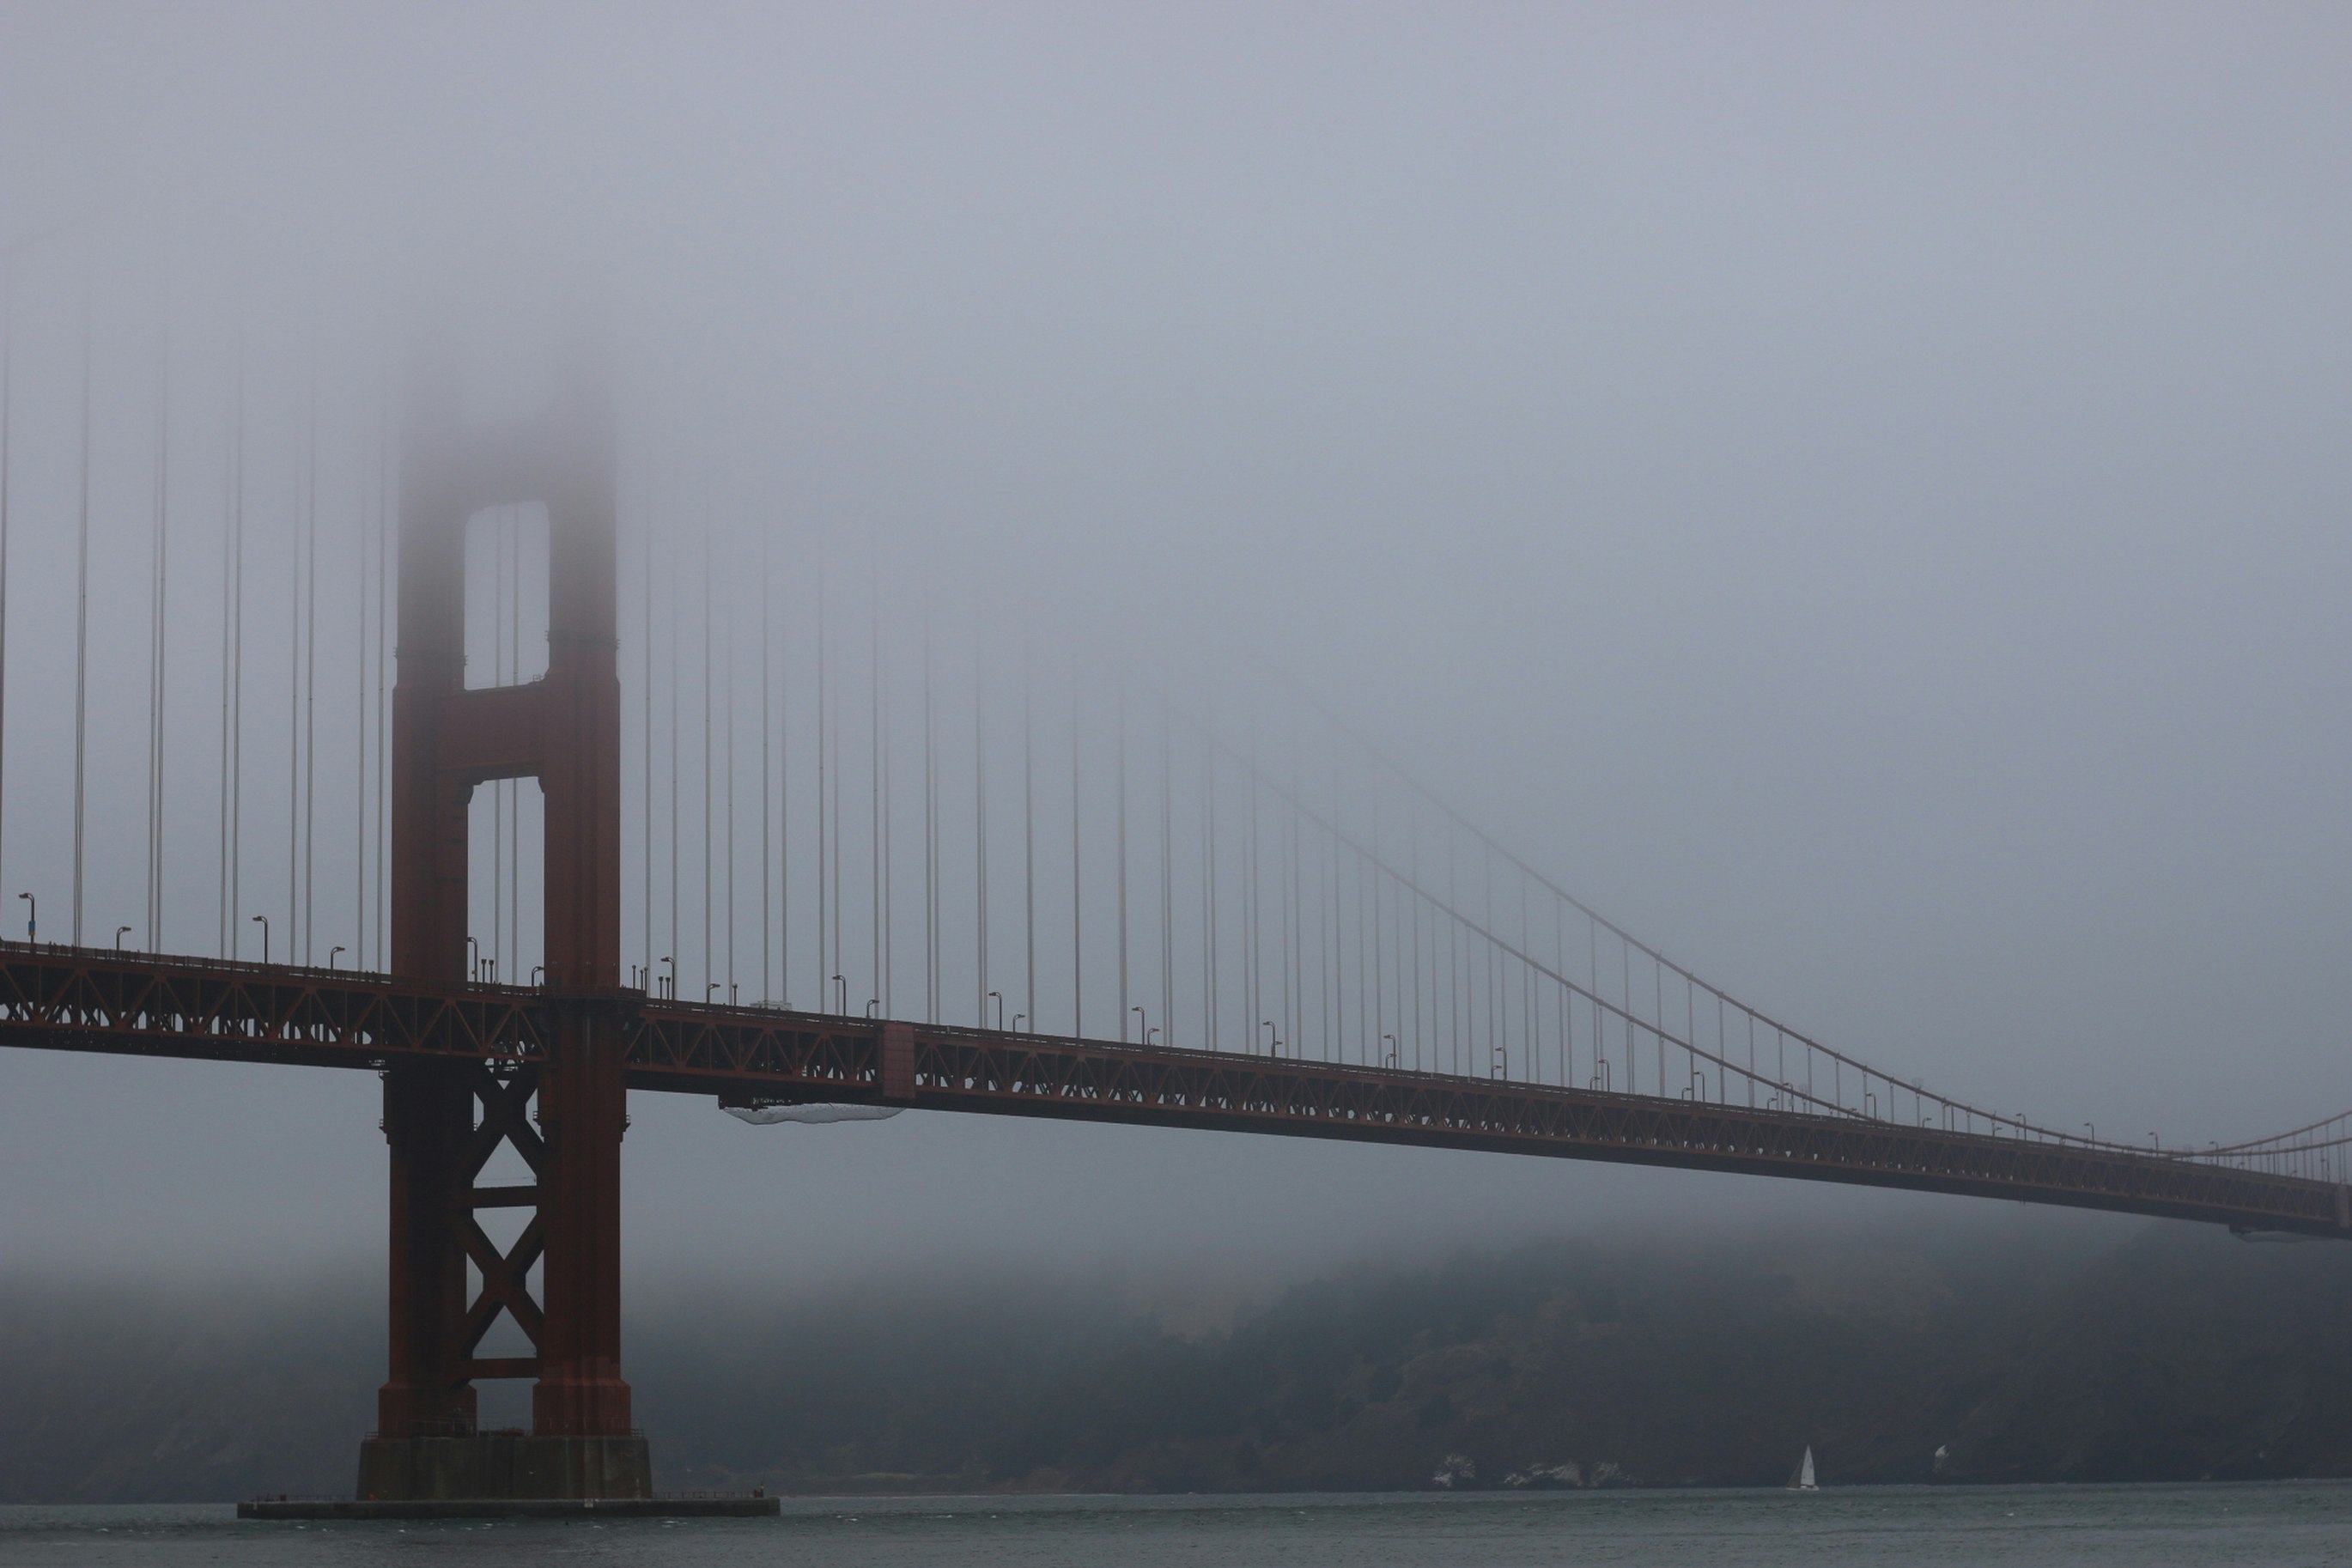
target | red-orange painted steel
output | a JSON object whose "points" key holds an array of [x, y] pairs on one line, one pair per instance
{"points": [[564, 730], [62, 999]]}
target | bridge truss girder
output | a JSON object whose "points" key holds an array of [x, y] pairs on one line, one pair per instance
{"points": [[63, 999]]}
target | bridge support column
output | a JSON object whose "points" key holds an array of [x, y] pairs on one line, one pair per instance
{"points": [[428, 1121], [582, 1112], [448, 739]]}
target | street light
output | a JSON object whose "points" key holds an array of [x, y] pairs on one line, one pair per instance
{"points": [[1392, 1049], [998, 996], [707, 991], [1016, 1021], [32, 915], [263, 921], [477, 946], [669, 981], [1143, 1023], [873, 1005], [841, 988], [1272, 1046], [332, 951], [120, 933]]}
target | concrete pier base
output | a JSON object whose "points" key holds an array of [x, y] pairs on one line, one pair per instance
{"points": [[499, 1466], [508, 1508]]}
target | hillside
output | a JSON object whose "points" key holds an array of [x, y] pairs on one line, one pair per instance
{"points": [[2178, 1354]]}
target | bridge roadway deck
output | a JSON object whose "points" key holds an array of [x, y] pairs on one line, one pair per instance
{"points": [[60, 999]]}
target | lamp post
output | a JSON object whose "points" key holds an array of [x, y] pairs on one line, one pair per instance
{"points": [[32, 916], [998, 997], [120, 933], [263, 921], [669, 981], [477, 947], [334, 952]]}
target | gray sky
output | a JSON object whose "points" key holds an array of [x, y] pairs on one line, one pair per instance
{"points": [[1856, 493]]}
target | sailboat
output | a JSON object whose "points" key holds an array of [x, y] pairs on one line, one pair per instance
{"points": [[1804, 1481]]}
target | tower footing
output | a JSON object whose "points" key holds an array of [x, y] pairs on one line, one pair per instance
{"points": [[509, 1508], [496, 1466]]}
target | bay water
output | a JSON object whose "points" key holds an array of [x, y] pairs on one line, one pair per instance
{"points": [[2275, 1525]]}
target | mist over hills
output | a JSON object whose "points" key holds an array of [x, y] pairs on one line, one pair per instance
{"points": [[2175, 1352]]}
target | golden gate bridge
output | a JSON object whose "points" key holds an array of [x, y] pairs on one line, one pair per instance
{"points": [[466, 764]]}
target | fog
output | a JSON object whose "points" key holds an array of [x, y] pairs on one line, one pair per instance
{"points": [[1857, 494]]}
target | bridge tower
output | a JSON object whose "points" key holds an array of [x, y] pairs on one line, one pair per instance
{"points": [[444, 1122]]}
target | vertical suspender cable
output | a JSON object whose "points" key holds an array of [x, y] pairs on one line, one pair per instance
{"points": [[980, 831], [730, 791], [1077, 896], [228, 573], [1367, 951], [1028, 839], [1379, 934], [1453, 959], [501, 538], [1211, 1006], [874, 769], [707, 933], [291, 951], [1331, 988], [1593, 989], [1560, 969], [767, 823], [235, 764], [7, 367], [1251, 935], [1294, 927], [672, 956], [1526, 987], [1412, 833], [1167, 895], [385, 521], [785, 847], [931, 840], [884, 805], [155, 683], [824, 968], [645, 720], [82, 624], [831, 718], [370, 519], [311, 678], [515, 970], [1120, 721]]}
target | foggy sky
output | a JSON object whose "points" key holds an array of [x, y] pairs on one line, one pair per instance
{"points": [[1856, 493]]}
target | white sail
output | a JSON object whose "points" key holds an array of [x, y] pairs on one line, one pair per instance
{"points": [[1805, 1482]]}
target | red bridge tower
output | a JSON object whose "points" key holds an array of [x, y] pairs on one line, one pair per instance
{"points": [[446, 1121]]}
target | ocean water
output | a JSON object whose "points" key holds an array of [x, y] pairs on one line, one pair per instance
{"points": [[2275, 1526]]}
